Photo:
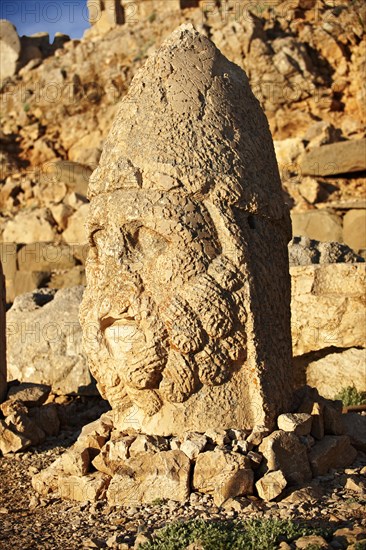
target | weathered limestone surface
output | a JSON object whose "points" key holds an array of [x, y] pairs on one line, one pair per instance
{"points": [[45, 341], [338, 370], [336, 158], [188, 289], [2, 338], [328, 307], [9, 49]]}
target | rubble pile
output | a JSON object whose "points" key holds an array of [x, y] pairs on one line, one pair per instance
{"points": [[130, 468]]}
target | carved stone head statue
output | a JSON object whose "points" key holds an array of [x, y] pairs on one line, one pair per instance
{"points": [[186, 315]]}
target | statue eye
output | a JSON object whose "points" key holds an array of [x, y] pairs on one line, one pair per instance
{"points": [[94, 237], [149, 242]]}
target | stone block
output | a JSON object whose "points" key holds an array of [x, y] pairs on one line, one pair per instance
{"points": [[328, 307], [354, 229], [320, 225]]}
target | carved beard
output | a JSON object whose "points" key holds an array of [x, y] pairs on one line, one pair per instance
{"points": [[171, 351]]}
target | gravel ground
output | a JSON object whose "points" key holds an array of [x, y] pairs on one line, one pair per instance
{"points": [[28, 521]]}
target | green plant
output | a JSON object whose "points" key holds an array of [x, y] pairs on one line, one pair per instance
{"points": [[26, 107], [351, 396], [236, 535], [158, 502], [152, 17]]}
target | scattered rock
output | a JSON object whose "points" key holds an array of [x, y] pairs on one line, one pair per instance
{"points": [[355, 485], [283, 451], [30, 394], [271, 485], [298, 423], [149, 476], [30, 227], [75, 233], [355, 427], [45, 341], [354, 229], [193, 444], [320, 225], [11, 442], [88, 488], [305, 251], [336, 158], [331, 452], [223, 475], [327, 307], [338, 370], [311, 541]]}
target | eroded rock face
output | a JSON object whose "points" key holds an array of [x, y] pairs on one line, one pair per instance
{"points": [[186, 315]]}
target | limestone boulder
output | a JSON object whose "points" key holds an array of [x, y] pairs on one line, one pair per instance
{"points": [[328, 307], [331, 452], [355, 427], [284, 451], [335, 158], [88, 488], [305, 251], [338, 370], [146, 477], [74, 176], [45, 342], [223, 475], [297, 423], [354, 229], [320, 225], [10, 441], [75, 233], [9, 49], [271, 485], [30, 226]]}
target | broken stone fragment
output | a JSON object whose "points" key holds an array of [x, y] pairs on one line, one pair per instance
{"points": [[94, 435], [11, 406], [298, 423], [193, 444], [148, 443], [75, 462], [149, 476], [46, 481], [11, 442], [46, 418], [271, 485], [223, 475], [113, 455], [257, 435], [88, 488], [333, 417], [217, 437], [19, 422], [355, 427], [331, 452], [32, 395], [284, 451]]}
